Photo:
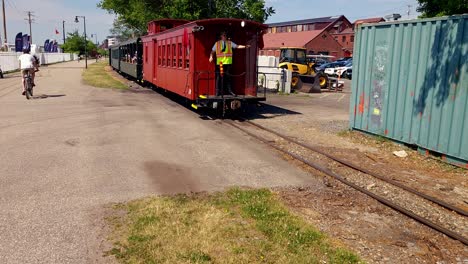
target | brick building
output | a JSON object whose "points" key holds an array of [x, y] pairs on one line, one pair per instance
{"points": [[346, 39], [325, 35], [313, 34], [315, 41]]}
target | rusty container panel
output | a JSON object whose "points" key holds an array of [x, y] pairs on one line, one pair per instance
{"points": [[411, 83]]}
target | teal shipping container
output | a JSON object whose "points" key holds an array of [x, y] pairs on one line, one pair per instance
{"points": [[410, 84]]}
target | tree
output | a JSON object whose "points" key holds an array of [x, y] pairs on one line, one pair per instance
{"points": [[123, 31], [432, 8], [135, 14], [103, 52], [75, 43]]}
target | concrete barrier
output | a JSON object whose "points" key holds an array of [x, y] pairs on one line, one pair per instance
{"points": [[9, 60]]}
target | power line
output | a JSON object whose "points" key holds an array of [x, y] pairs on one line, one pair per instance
{"points": [[409, 10], [396, 8], [30, 20], [13, 6]]}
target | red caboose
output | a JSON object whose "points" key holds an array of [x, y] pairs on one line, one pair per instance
{"points": [[176, 58]]}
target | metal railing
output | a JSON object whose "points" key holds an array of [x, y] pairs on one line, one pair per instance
{"points": [[280, 82], [211, 78]]}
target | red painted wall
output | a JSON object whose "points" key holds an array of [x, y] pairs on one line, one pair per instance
{"points": [[325, 43]]}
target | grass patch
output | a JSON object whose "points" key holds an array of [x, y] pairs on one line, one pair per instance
{"points": [[238, 226], [97, 76]]}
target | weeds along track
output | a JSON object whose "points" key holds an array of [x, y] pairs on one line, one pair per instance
{"points": [[430, 211]]}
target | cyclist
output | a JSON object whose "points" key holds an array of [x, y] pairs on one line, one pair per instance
{"points": [[26, 64]]}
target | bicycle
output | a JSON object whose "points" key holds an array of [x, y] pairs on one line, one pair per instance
{"points": [[28, 85]]}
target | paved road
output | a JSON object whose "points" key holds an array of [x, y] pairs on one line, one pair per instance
{"points": [[76, 149]]}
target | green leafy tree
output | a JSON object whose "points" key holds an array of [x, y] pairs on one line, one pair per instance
{"points": [[433, 8], [103, 52], [75, 43], [123, 30], [133, 15]]}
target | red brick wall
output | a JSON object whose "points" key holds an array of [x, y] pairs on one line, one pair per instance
{"points": [[325, 43], [348, 42], [319, 44], [345, 24]]}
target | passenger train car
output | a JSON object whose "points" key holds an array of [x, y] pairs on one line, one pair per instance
{"points": [[127, 58], [174, 56]]}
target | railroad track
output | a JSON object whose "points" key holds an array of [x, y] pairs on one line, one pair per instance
{"points": [[440, 216]]}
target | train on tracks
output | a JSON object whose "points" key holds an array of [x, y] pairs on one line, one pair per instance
{"points": [[174, 56]]}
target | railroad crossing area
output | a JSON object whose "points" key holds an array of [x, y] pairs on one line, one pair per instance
{"points": [[76, 152]]}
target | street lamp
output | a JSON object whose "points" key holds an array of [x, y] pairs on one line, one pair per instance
{"points": [[95, 35], [86, 41]]}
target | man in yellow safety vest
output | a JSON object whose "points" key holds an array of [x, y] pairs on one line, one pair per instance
{"points": [[223, 50]]}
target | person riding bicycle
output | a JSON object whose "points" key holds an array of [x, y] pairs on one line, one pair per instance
{"points": [[26, 64]]}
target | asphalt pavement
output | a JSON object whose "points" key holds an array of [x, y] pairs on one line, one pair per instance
{"points": [[74, 150]]}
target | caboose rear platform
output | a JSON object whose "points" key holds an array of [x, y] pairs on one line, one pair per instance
{"points": [[176, 59]]}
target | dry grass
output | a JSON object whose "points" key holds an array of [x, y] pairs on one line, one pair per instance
{"points": [[97, 76], [239, 226]]}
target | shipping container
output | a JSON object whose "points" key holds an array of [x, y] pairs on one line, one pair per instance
{"points": [[410, 84]]}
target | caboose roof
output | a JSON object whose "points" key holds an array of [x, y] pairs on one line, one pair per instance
{"points": [[212, 21]]}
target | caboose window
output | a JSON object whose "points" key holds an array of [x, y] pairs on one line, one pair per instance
{"points": [[163, 55], [168, 55], [180, 54], [159, 53], [187, 57], [174, 56], [146, 53]]}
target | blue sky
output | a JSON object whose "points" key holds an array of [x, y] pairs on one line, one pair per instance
{"points": [[353, 9], [50, 13]]}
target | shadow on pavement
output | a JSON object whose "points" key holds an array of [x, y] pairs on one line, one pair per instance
{"points": [[266, 111], [44, 96]]}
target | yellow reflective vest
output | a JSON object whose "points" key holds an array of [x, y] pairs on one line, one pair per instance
{"points": [[226, 56]]}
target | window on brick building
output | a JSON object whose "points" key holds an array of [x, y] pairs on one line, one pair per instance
{"points": [[352, 38], [343, 39]]}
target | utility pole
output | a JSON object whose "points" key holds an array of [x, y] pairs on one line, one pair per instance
{"points": [[30, 20], [4, 22], [409, 11], [63, 23]]}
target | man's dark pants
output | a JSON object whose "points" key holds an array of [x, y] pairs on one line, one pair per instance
{"points": [[224, 81]]}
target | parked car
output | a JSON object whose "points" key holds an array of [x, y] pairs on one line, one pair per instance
{"points": [[341, 70], [348, 73], [329, 65], [345, 59], [331, 68]]}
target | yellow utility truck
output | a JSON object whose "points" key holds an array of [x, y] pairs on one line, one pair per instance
{"points": [[304, 78]]}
